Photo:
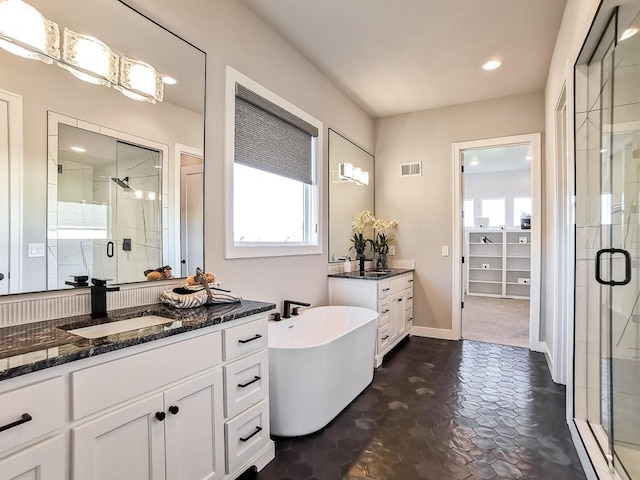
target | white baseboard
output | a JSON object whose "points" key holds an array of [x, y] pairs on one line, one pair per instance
{"points": [[429, 332]]}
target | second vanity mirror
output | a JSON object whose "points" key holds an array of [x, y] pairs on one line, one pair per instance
{"points": [[111, 181], [351, 190]]}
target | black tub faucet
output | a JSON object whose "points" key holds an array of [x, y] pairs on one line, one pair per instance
{"points": [[287, 308], [99, 291]]}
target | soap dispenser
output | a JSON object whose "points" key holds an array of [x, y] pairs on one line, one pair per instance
{"points": [[346, 266]]}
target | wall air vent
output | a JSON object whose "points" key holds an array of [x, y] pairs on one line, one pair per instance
{"points": [[411, 169]]}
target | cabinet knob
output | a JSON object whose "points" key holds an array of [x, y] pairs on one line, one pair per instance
{"points": [[161, 416], [174, 409]]}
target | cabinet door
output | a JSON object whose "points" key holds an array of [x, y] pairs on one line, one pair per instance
{"points": [[396, 318], [44, 461], [127, 443], [195, 429]]}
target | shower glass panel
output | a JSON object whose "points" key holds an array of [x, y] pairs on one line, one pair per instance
{"points": [[109, 221], [623, 136], [608, 242]]}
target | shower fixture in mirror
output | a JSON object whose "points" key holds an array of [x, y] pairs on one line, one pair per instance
{"points": [[114, 209], [351, 190]]}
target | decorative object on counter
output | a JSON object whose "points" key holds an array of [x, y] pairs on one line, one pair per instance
{"points": [[199, 290], [525, 221], [362, 221], [486, 239], [382, 239], [160, 273], [191, 279]]}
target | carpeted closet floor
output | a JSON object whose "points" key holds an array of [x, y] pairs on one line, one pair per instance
{"points": [[496, 320]]}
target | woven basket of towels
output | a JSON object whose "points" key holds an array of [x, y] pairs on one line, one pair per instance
{"points": [[201, 289]]}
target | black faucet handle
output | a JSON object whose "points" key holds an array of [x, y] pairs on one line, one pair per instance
{"points": [[295, 311], [100, 282]]}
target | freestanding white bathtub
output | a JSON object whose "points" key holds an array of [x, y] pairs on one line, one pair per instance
{"points": [[319, 361]]}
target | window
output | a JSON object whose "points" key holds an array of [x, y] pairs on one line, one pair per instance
{"points": [[272, 158], [469, 216], [521, 205], [493, 209]]}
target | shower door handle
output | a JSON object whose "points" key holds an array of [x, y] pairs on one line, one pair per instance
{"points": [[109, 249], [627, 267]]}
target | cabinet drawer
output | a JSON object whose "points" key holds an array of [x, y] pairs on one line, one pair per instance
{"points": [[384, 337], [99, 387], [409, 281], [246, 383], [398, 284], [244, 339], [383, 311], [44, 461], [247, 434], [384, 288], [409, 317], [409, 297], [40, 408]]}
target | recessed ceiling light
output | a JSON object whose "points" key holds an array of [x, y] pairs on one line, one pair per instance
{"points": [[492, 65], [169, 80], [79, 149], [628, 33], [473, 163]]}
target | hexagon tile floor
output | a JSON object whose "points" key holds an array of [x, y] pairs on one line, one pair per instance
{"points": [[440, 410]]}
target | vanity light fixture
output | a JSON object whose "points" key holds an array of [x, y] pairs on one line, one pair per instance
{"points": [[628, 33], [140, 81], [167, 80], [79, 149], [26, 33], [492, 65], [89, 59], [346, 171]]}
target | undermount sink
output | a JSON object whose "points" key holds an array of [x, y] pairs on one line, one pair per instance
{"points": [[111, 328], [375, 273]]}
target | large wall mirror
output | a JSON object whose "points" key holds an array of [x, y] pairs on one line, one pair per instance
{"points": [[99, 183], [351, 190]]}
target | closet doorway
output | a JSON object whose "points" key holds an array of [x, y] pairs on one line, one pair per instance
{"points": [[499, 241]]}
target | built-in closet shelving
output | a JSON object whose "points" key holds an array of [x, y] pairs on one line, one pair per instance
{"points": [[498, 263]]}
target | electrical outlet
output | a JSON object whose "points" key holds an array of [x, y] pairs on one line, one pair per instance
{"points": [[392, 250], [445, 251]]}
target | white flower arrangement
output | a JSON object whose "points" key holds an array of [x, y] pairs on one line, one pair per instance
{"points": [[381, 225], [363, 221]]}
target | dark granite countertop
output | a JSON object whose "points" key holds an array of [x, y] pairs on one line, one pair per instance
{"points": [[36, 346], [373, 274]]}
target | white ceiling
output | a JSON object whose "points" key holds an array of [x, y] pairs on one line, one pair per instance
{"points": [[395, 57], [497, 159]]}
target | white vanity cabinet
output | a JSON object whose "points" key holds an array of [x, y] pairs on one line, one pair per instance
{"points": [[391, 297], [189, 406], [181, 428]]}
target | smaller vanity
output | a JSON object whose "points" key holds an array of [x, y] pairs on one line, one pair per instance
{"points": [[187, 398], [389, 292]]}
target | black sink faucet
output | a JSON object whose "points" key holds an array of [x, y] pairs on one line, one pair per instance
{"points": [[287, 308], [99, 291]]}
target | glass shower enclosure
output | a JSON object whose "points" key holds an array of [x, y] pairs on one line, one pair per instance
{"points": [[109, 220], [607, 308]]}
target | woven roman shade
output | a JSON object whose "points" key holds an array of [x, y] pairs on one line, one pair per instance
{"points": [[271, 139]]}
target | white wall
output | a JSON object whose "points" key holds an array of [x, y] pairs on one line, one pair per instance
{"points": [[423, 206], [231, 35], [577, 17]]}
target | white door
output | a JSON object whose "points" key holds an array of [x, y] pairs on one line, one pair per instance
{"points": [[44, 461], [192, 218], [126, 444], [10, 152], [195, 430]]}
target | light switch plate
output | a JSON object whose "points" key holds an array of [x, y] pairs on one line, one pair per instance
{"points": [[445, 251], [392, 249], [36, 250]]}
